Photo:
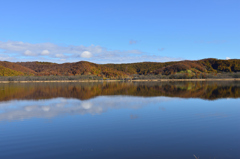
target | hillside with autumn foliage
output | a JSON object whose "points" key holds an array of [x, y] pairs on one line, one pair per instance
{"points": [[179, 69], [169, 68], [71, 69]]}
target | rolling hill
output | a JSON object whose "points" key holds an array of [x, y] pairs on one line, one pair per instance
{"points": [[9, 72], [187, 68], [17, 67]]}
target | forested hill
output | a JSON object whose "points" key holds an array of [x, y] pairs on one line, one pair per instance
{"points": [[187, 68]]}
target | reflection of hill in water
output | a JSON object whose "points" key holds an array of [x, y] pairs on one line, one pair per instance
{"points": [[204, 90]]}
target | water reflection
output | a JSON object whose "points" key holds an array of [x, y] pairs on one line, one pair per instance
{"points": [[119, 120], [25, 109], [83, 91]]}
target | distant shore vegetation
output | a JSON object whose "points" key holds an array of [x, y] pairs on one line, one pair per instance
{"points": [[83, 70]]}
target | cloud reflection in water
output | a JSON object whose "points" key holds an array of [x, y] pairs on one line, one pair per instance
{"points": [[26, 109]]}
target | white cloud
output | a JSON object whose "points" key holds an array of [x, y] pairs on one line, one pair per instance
{"points": [[28, 53], [86, 54], [45, 52], [17, 51], [63, 60], [59, 55], [228, 58]]}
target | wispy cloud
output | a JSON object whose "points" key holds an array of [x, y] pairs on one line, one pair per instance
{"points": [[211, 42], [21, 51], [59, 55], [162, 49], [131, 42], [5, 58]]}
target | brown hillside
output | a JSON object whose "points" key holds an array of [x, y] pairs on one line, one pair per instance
{"points": [[69, 69], [194, 66], [221, 65], [142, 68], [168, 68], [189, 69], [17, 67], [9, 72]]}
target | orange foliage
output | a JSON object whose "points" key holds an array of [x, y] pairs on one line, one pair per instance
{"points": [[124, 70]]}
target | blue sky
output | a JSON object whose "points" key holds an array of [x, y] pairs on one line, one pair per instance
{"points": [[119, 31]]}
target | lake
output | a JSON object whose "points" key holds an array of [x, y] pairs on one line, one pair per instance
{"points": [[112, 120]]}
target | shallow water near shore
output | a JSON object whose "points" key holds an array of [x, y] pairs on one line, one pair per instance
{"points": [[120, 120]]}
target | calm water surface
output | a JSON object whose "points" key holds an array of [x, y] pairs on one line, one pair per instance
{"points": [[120, 120]]}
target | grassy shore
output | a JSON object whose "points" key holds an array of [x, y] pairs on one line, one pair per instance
{"points": [[136, 78], [139, 80]]}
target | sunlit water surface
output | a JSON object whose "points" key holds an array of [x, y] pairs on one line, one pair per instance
{"points": [[119, 121]]}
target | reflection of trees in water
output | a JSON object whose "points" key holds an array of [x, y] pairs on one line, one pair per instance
{"points": [[205, 90]]}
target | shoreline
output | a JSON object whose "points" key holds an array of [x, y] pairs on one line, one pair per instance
{"points": [[140, 80]]}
